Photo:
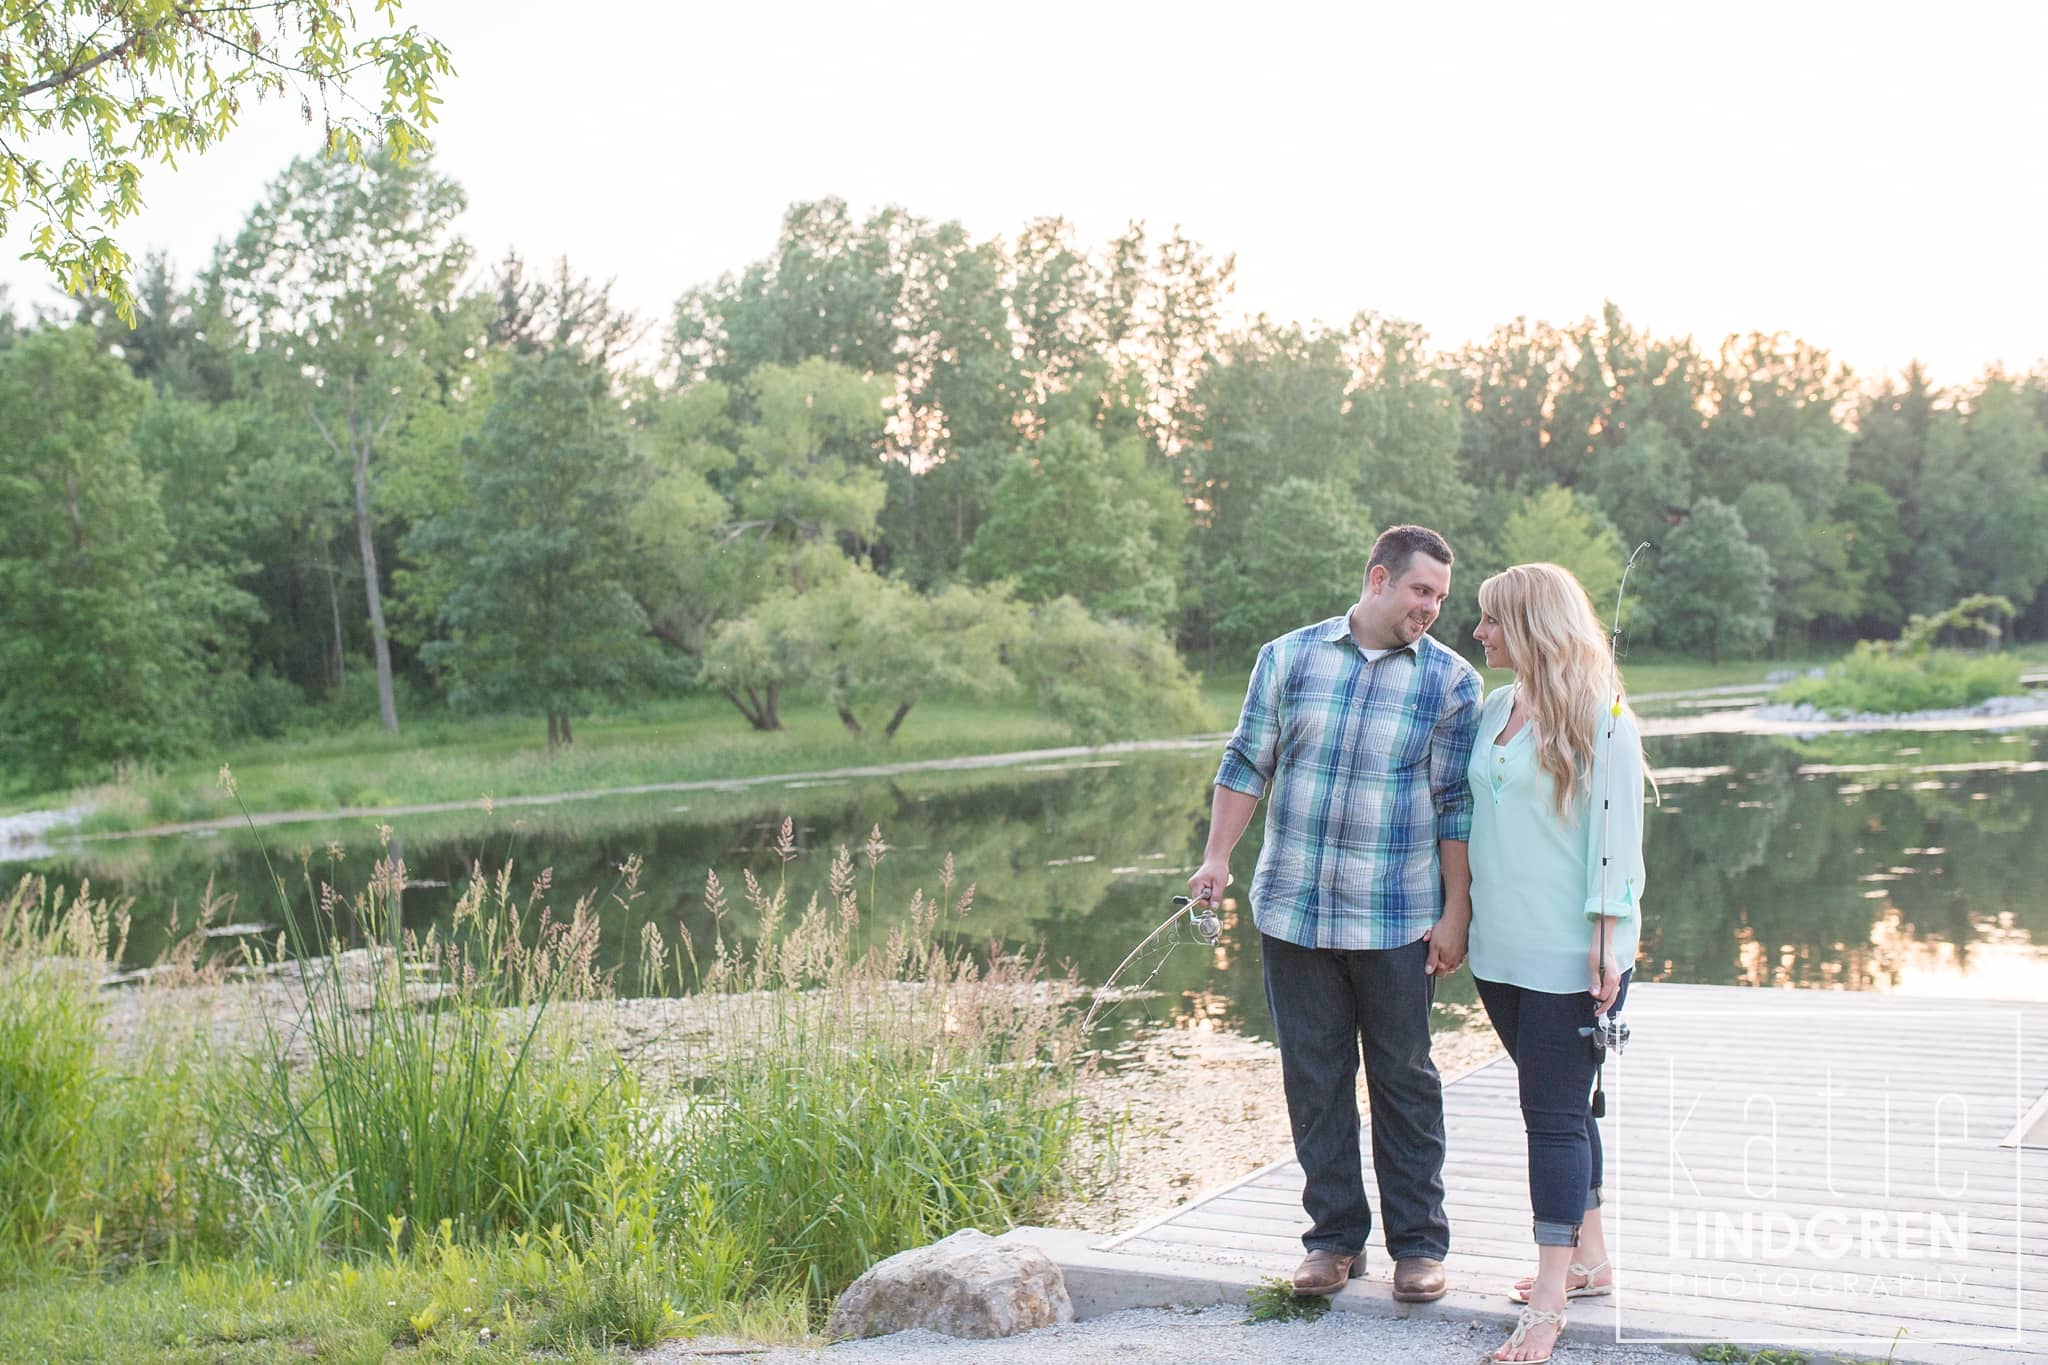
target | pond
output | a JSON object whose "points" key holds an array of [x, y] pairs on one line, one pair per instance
{"points": [[1878, 862]]}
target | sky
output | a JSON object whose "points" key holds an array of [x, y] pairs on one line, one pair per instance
{"points": [[1869, 177]]}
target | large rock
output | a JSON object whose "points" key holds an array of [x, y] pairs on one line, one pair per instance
{"points": [[969, 1285]]}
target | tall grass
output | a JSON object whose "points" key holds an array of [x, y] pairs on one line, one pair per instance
{"points": [[864, 1092], [50, 1077], [101, 1155], [853, 1083], [420, 1081]]}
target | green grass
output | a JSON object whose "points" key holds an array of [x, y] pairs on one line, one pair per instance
{"points": [[442, 1302], [459, 759], [1274, 1300], [1872, 681], [1646, 670]]}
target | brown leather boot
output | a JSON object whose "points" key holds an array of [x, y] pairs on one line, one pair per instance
{"points": [[1417, 1279], [1324, 1272]]}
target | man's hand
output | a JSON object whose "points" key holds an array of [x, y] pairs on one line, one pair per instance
{"points": [[1210, 881], [1447, 942], [1605, 975]]}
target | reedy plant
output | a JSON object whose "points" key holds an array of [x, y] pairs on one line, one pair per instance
{"points": [[433, 1080], [51, 1079], [861, 1096]]}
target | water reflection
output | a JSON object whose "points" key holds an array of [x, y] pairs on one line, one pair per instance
{"points": [[1862, 862]]}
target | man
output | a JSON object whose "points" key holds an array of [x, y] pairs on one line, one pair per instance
{"points": [[1359, 729]]}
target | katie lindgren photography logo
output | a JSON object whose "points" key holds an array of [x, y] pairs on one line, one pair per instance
{"points": [[1828, 1208]]}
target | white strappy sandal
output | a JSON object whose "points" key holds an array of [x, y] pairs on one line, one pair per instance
{"points": [[1588, 1290], [1530, 1318]]}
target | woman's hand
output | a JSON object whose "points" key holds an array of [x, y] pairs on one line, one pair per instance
{"points": [[1604, 973]]}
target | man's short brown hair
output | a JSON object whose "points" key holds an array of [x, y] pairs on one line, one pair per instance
{"points": [[1398, 545]]}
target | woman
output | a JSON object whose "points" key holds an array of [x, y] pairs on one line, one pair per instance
{"points": [[1556, 905]]}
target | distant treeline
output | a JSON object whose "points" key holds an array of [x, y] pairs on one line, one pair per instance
{"points": [[349, 471]]}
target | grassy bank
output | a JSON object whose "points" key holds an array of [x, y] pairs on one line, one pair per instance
{"points": [[448, 1148], [449, 758], [462, 759]]}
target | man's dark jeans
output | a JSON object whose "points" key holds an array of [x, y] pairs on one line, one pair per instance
{"points": [[1326, 1003]]}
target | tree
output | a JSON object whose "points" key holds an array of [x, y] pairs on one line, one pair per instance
{"points": [[346, 276], [866, 641], [1712, 586], [1811, 572], [1270, 407], [1773, 403], [1105, 679], [1643, 482], [1301, 556], [102, 639], [527, 563], [1875, 545], [882, 644], [1998, 540], [1510, 387], [806, 470], [563, 310], [1555, 527], [1406, 418], [1074, 518], [114, 85]]}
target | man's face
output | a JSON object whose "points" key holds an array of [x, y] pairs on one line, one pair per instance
{"points": [[1403, 608]]}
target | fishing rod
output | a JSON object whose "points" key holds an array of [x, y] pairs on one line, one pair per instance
{"points": [[1608, 1032], [1191, 916]]}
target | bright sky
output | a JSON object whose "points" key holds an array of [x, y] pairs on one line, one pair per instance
{"points": [[1869, 176]]}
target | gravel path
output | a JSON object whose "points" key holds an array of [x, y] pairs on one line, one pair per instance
{"points": [[1180, 1336]]}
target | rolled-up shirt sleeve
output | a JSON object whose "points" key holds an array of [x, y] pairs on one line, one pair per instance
{"points": [[1614, 838], [1248, 758], [1450, 750]]}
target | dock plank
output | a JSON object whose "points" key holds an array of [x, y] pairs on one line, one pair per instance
{"points": [[1872, 1117]]}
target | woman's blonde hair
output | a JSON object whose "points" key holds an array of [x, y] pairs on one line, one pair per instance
{"points": [[1563, 661]]}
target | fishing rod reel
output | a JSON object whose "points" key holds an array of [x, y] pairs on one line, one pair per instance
{"points": [[1608, 1032], [1201, 918]]}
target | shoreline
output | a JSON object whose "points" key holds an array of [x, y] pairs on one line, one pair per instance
{"points": [[28, 830]]}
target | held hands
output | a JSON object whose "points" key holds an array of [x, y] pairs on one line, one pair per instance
{"points": [[1447, 939], [1604, 974]]}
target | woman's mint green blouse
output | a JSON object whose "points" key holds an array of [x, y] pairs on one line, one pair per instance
{"points": [[1536, 884]]}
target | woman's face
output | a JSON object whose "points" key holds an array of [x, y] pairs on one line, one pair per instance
{"points": [[1493, 640]]}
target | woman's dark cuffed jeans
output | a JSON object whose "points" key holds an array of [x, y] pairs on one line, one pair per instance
{"points": [[1555, 1069], [1327, 1003]]}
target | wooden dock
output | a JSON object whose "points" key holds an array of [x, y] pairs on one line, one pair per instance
{"points": [[1820, 1171]]}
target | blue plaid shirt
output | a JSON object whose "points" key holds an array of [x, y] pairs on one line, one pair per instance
{"points": [[1363, 764]]}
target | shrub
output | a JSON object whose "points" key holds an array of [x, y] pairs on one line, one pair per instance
{"points": [[1874, 680]]}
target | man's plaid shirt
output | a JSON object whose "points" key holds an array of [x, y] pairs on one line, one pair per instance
{"points": [[1363, 767]]}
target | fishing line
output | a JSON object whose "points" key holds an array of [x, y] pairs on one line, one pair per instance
{"points": [[1607, 1032], [1192, 921]]}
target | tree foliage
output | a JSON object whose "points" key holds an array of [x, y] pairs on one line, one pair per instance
{"points": [[1712, 587], [1301, 557], [113, 86], [1554, 527], [1072, 517], [527, 566], [346, 280], [103, 638]]}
